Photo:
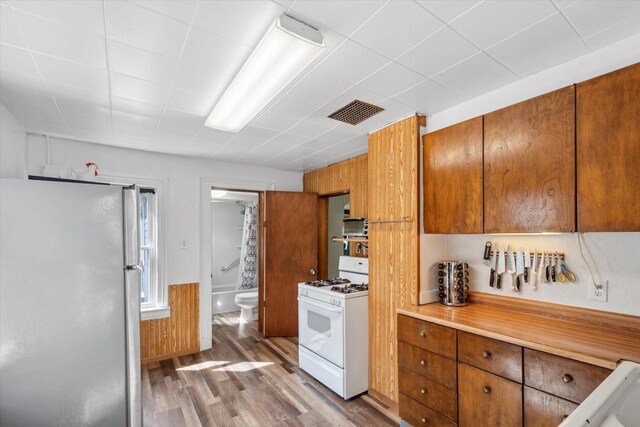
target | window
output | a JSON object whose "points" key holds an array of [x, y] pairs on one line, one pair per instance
{"points": [[148, 248]]}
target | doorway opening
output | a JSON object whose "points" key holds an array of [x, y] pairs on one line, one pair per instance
{"points": [[234, 254]]}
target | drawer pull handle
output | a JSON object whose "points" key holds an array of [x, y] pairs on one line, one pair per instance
{"points": [[424, 420], [486, 389], [423, 363], [423, 334], [567, 378], [486, 354], [423, 391]]}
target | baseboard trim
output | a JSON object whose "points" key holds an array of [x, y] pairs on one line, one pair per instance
{"points": [[166, 356]]}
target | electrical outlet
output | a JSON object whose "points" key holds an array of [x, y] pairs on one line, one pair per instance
{"points": [[183, 244], [599, 292]]}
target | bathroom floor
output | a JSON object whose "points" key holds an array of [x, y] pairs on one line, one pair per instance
{"points": [[247, 380]]}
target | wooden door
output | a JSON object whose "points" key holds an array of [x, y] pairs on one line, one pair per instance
{"points": [[453, 179], [488, 400], [289, 256], [545, 410], [529, 165], [608, 145]]}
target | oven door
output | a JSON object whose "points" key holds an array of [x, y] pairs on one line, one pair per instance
{"points": [[320, 327]]}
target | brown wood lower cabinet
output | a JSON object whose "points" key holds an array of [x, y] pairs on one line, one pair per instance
{"points": [[498, 383], [488, 400], [545, 410]]}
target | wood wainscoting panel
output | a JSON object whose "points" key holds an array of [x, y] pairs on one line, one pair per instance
{"points": [[608, 149], [177, 334], [529, 165], [393, 193]]}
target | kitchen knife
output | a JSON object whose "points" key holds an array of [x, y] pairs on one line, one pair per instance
{"points": [[533, 277], [492, 265], [487, 253], [519, 269], [501, 268], [527, 265], [547, 268], [542, 271], [553, 268], [511, 267]]}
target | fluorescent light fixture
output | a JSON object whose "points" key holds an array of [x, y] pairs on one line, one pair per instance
{"points": [[218, 193], [287, 48]]}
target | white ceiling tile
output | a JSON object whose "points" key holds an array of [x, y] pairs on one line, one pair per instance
{"points": [[40, 112], [319, 86], [241, 21], [335, 136], [189, 102], [72, 74], [439, 52], [180, 123], [294, 107], [9, 29], [591, 17], [135, 131], [83, 97], [202, 81], [475, 76], [396, 27], [139, 90], [129, 60], [182, 10], [14, 95], [9, 79], [352, 62], [494, 20], [82, 15], [85, 122], [339, 15], [244, 142], [391, 80], [213, 52], [429, 97], [17, 60], [136, 107], [394, 111], [134, 120], [42, 126], [206, 144], [547, 44], [311, 128], [274, 121], [561, 4], [448, 10], [145, 29], [613, 34], [58, 40], [74, 108], [287, 140], [343, 99], [213, 136]]}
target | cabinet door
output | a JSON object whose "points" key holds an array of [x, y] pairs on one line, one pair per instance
{"points": [[487, 400], [529, 165], [544, 410], [453, 179], [608, 144]]}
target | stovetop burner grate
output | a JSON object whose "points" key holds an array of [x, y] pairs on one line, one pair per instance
{"points": [[327, 282], [351, 288]]}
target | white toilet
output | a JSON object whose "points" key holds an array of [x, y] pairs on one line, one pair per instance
{"points": [[247, 302]]}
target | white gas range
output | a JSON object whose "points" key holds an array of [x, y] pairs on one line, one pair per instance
{"points": [[333, 328]]}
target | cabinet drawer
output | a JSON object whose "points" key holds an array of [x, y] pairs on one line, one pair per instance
{"points": [[429, 336], [430, 365], [562, 377], [495, 356], [429, 393], [544, 410], [487, 400], [419, 415]]}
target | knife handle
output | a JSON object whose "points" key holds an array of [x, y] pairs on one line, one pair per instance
{"points": [[526, 274], [487, 251], [517, 289], [553, 273], [492, 277], [498, 281]]}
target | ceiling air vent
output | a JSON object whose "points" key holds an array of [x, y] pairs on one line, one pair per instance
{"points": [[355, 112]]}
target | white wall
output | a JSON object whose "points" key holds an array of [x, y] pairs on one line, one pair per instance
{"points": [[226, 238], [616, 255], [183, 175], [13, 142]]}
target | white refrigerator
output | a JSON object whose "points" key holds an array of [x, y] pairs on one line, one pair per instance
{"points": [[69, 304]]}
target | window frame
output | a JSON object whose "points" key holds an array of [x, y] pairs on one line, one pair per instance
{"points": [[152, 213], [160, 307]]}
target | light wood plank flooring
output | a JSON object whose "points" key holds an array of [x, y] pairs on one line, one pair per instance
{"points": [[246, 380]]}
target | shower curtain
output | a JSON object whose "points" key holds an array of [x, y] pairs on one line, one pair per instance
{"points": [[247, 272]]}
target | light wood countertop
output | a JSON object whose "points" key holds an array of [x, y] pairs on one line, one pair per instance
{"points": [[599, 343]]}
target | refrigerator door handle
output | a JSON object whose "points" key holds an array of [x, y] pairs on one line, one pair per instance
{"points": [[131, 199]]}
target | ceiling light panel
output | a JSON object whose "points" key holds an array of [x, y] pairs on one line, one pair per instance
{"points": [[287, 48]]}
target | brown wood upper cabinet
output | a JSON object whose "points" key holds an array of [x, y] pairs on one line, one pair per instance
{"points": [[529, 165], [453, 179], [608, 145]]}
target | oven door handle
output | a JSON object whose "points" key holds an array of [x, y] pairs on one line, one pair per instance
{"points": [[333, 310]]}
